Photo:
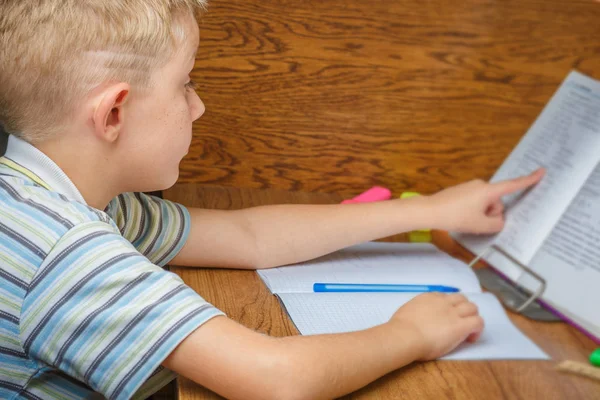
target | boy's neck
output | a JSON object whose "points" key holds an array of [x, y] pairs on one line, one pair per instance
{"points": [[92, 172]]}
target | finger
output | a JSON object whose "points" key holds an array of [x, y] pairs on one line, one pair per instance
{"points": [[494, 224], [474, 325], [503, 188], [473, 337], [456, 299], [466, 309], [495, 209]]}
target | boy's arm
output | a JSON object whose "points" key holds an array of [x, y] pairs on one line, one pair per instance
{"points": [[269, 236], [241, 364]]}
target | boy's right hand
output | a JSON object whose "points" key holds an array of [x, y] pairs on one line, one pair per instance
{"points": [[441, 322], [476, 206]]}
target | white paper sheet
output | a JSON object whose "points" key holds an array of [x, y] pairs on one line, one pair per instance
{"points": [[570, 260]]}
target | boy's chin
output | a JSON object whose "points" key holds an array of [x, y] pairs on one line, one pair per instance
{"points": [[164, 182], [168, 182]]}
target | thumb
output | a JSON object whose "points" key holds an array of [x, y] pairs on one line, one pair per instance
{"points": [[503, 188]]}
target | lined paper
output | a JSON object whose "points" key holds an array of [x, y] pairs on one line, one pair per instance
{"points": [[323, 313]]}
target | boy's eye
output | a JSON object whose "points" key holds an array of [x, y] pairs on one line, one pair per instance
{"points": [[191, 85]]}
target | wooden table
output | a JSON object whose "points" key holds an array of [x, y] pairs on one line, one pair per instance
{"points": [[243, 296], [410, 94]]}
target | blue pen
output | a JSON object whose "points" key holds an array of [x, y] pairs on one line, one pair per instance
{"points": [[374, 287]]}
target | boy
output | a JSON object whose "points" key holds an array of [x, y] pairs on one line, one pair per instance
{"points": [[97, 99]]}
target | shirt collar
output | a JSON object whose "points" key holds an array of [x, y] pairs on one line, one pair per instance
{"points": [[37, 163]]}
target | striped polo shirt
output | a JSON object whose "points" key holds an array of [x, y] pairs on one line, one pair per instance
{"points": [[86, 311]]}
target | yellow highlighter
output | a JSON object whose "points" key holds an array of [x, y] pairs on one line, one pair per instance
{"points": [[419, 236]]}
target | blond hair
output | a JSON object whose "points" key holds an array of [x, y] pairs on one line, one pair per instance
{"points": [[54, 52]]}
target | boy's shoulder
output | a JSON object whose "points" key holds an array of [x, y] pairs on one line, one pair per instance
{"points": [[27, 208]]}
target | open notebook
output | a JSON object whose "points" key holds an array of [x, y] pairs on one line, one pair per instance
{"points": [[402, 263]]}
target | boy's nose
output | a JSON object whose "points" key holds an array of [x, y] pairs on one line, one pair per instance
{"points": [[198, 108]]}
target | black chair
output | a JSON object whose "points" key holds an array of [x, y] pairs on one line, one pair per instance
{"points": [[3, 140]]}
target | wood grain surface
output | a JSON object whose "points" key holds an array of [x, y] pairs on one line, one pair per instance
{"points": [[244, 298], [338, 95]]}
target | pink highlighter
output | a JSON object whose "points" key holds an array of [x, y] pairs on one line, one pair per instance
{"points": [[376, 193]]}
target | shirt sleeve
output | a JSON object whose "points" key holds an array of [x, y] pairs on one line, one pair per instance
{"points": [[100, 312], [157, 228]]}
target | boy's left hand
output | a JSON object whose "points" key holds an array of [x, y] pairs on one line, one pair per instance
{"points": [[476, 206]]}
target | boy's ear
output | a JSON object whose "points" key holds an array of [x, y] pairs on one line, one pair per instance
{"points": [[109, 112]]}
